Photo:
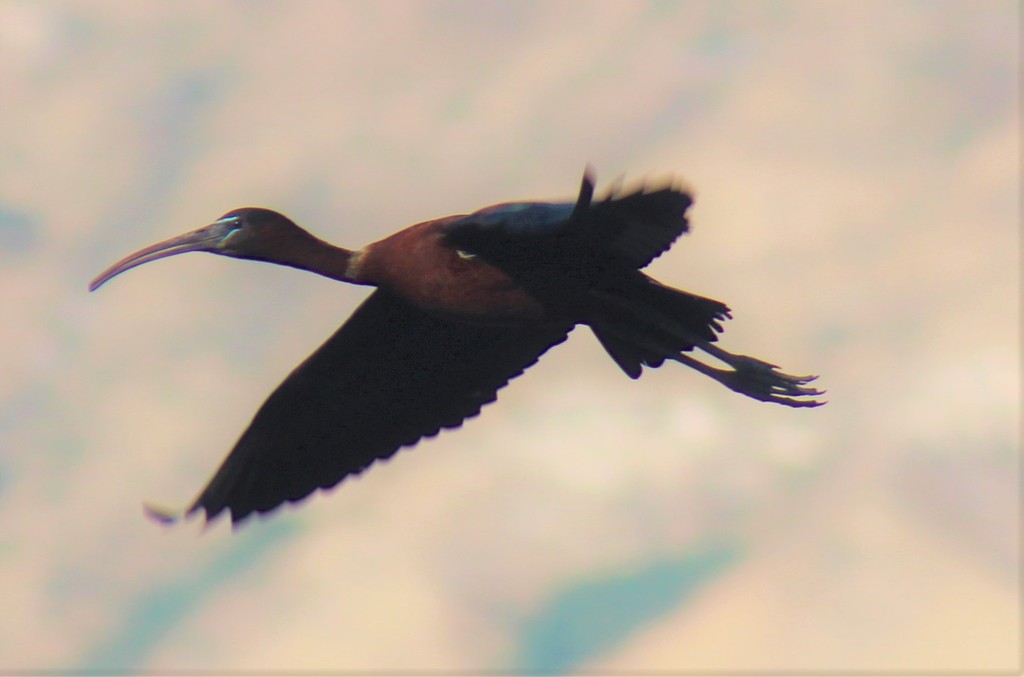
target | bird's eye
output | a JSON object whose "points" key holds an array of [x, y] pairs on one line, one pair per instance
{"points": [[235, 221]]}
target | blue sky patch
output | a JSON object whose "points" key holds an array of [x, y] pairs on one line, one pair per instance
{"points": [[590, 618]]}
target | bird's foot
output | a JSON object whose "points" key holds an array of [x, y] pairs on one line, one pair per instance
{"points": [[757, 379], [763, 381]]}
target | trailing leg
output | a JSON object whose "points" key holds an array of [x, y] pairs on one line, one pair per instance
{"points": [[645, 323], [757, 379]]}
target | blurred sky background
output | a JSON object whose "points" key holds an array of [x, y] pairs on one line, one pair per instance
{"points": [[857, 181]]}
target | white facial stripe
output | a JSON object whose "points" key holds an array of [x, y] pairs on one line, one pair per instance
{"points": [[231, 234]]}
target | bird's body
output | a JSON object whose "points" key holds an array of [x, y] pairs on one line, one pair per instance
{"points": [[418, 266], [463, 304]]}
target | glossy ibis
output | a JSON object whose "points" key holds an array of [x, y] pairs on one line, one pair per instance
{"points": [[463, 304]]}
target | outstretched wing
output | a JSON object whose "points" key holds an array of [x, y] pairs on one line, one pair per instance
{"points": [[389, 376], [627, 230], [584, 260], [638, 226]]}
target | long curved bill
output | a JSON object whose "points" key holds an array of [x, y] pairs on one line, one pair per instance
{"points": [[201, 239]]}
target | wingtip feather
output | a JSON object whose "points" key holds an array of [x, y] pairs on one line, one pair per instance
{"points": [[163, 516], [586, 190]]}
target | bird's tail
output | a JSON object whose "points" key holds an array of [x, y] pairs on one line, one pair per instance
{"points": [[644, 323]]}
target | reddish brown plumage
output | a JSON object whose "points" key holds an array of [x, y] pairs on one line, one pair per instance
{"points": [[416, 265]]}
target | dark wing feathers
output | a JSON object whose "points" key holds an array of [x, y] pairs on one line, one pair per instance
{"points": [[584, 261], [632, 229], [389, 376], [640, 226], [394, 374]]}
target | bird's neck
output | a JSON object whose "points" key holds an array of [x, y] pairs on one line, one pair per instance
{"points": [[313, 254]]}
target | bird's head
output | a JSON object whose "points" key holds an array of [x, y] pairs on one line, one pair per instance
{"points": [[246, 233]]}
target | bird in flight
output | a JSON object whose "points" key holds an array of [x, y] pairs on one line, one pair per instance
{"points": [[463, 304]]}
